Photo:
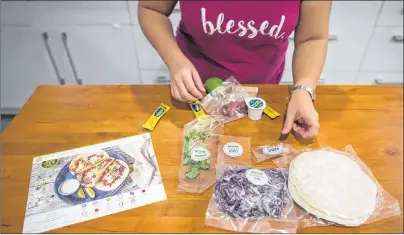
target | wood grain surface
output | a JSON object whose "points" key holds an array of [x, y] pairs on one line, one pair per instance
{"points": [[57, 118]]}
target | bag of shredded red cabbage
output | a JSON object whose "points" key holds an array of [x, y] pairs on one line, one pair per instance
{"points": [[251, 200], [332, 187], [199, 155], [228, 100], [270, 151]]}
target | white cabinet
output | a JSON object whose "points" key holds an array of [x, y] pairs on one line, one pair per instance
{"points": [[175, 16], [158, 77], [385, 51], [17, 12], [379, 78], [349, 32], [391, 14], [26, 62], [99, 54]]}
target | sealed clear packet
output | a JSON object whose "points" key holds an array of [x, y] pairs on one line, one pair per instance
{"points": [[251, 200], [385, 205], [199, 157], [270, 151], [234, 150], [228, 100]]}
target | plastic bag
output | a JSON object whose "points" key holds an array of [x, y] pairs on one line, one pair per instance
{"points": [[234, 150], [199, 157], [227, 100], [385, 204], [252, 200], [265, 152]]}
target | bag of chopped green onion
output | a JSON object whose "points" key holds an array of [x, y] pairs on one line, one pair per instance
{"points": [[199, 154]]}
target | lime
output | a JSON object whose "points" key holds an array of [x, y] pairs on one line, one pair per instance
{"points": [[212, 83]]}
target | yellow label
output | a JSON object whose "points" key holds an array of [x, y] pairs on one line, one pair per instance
{"points": [[197, 109], [156, 116], [271, 113]]}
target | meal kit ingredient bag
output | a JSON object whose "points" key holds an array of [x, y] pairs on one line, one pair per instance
{"points": [[335, 187], [252, 200], [227, 100], [266, 152], [234, 150], [199, 157]]}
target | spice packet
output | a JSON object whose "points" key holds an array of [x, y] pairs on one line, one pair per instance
{"points": [[234, 150], [251, 200], [271, 113], [265, 152], [156, 116], [197, 109], [199, 157]]}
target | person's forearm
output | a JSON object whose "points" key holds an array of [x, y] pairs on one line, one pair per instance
{"points": [[159, 31], [308, 61]]}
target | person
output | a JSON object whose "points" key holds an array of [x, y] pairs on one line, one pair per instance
{"points": [[244, 39]]}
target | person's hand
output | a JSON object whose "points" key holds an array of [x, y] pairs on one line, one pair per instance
{"points": [[301, 107], [186, 85]]}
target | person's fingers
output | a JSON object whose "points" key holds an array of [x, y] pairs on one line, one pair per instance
{"points": [[290, 116], [298, 130], [190, 85], [185, 95], [198, 81], [175, 93]]}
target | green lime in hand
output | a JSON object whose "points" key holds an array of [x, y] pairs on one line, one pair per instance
{"points": [[212, 83]]}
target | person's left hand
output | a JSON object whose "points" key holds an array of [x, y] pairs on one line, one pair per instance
{"points": [[301, 107]]}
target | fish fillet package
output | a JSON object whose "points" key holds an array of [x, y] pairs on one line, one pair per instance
{"points": [[199, 154], [252, 200], [335, 187]]}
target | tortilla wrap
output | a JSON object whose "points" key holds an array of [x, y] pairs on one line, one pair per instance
{"points": [[89, 176], [85, 160], [113, 176]]}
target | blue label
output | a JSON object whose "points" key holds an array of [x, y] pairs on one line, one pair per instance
{"points": [[158, 112], [196, 107]]}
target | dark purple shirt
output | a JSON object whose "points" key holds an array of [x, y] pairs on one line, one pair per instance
{"points": [[244, 39]]}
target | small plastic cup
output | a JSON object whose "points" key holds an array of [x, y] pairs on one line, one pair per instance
{"points": [[255, 107]]}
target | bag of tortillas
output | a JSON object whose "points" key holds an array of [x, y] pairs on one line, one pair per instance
{"points": [[335, 187]]}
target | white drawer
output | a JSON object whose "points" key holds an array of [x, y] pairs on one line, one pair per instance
{"points": [[379, 79], [157, 77], [81, 13], [391, 14], [349, 33], [385, 51], [326, 78], [16, 12]]}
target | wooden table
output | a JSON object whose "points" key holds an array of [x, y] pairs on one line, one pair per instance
{"points": [[56, 118]]}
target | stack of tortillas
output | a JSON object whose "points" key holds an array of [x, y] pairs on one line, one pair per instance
{"points": [[332, 186]]}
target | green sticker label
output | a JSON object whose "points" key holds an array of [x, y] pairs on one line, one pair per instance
{"points": [[255, 103], [200, 153], [257, 177]]}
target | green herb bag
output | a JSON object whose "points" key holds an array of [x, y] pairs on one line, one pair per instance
{"points": [[199, 154]]}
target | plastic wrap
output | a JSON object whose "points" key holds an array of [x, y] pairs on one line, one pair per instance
{"points": [[251, 200], [199, 157], [234, 150], [385, 205], [227, 100], [270, 151]]}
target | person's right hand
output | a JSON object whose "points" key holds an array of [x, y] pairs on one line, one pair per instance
{"points": [[186, 85]]}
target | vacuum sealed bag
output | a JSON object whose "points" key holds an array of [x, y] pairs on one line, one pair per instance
{"points": [[266, 152], [335, 187], [234, 150], [251, 200], [227, 100], [199, 157]]}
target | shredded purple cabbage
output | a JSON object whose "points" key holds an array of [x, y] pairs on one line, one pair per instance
{"points": [[239, 198]]}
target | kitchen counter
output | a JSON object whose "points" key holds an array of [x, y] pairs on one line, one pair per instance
{"points": [[57, 118]]}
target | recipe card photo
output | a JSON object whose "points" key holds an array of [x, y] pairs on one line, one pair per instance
{"points": [[93, 181]]}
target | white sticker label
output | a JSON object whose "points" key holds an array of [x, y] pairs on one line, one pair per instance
{"points": [[257, 177], [233, 149], [200, 154], [273, 150]]}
